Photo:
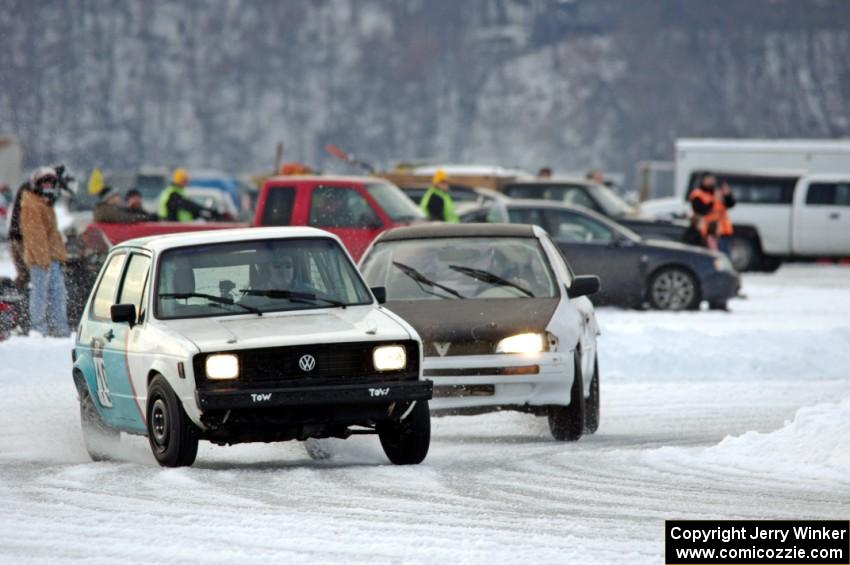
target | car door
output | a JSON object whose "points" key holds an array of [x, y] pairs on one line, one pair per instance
{"points": [[132, 354], [823, 219], [815, 203], [593, 248], [345, 212], [106, 345]]}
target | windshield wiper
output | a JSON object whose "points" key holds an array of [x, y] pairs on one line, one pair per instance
{"points": [[422, 279], [212, 298], [291, 295], [488, 277]]}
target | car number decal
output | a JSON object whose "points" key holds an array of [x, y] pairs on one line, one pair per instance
{"points": [[102, 388]]}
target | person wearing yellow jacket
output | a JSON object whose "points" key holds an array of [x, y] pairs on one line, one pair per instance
{"points": [[174, 206], [44, 253], [437, 204]]}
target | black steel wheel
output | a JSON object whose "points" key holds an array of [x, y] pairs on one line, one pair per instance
{"points": [[172, 436], [567, 422], [101, 440], [674, 288], [406, 441]]}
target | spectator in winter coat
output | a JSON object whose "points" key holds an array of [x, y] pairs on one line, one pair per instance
{"points": [[174, 206], [44, 253], [133, 202], [710, 204], [109, 209]]}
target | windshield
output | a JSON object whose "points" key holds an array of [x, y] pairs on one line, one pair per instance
{"points": [[394, 203], [269, 275], [460, 269], [612, 204]]}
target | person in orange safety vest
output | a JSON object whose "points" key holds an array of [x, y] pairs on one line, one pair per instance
{"points": [[710, 204]]}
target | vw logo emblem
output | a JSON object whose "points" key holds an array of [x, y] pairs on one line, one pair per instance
{"points": [[307, 363]]}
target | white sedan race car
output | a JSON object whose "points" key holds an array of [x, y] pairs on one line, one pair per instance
{"points": [[230, 336], [504, 322]]}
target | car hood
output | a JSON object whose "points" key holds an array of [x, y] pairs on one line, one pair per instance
{"points": [[676, 246], [336, 325], [479, 324]]}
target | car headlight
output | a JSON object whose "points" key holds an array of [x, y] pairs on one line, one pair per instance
{"points": [[522, 343], [222, 366], [722, 263], [389, 358]]}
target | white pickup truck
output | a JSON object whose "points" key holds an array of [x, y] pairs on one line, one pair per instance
{"points": [[781, 212]]}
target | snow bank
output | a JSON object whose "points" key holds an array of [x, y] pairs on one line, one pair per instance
{"points": [[815, 445], [791, 325]]}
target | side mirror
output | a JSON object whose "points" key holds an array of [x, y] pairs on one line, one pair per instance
{"points": [[380, 293], [121, 313], [584, 285]]}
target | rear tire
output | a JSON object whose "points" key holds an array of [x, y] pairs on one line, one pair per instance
{"points": [[591, 408], [567, 422], [744, 254], [172, 436], [675, 289], [101, 440], [406, 442]]}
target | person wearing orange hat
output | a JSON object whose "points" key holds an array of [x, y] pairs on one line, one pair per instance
{"points": [[437, 204], [174, 206]]}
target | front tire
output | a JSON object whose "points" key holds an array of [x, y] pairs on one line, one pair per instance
{"points": [[101, 440], [675, 289], [567, 422], [406, 442], [172, 436]]}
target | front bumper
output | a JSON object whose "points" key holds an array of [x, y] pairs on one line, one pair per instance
{"points": [[720, 285], [500, 380], [368, 393]]}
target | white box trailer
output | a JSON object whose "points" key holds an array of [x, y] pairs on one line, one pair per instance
{"points": [[779, 186]]}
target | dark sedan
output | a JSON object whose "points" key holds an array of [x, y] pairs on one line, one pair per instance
{"points": [[600, 199], [634, 271]]}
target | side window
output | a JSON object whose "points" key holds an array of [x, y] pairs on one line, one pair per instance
{"points": [[278, 207], [106, 289], [526, 216], [749, 189], [574, 227], [338, 207], [135, 282], [579, 197], [828, 194]]}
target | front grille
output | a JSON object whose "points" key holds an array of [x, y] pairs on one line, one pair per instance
{"points": [[449, 349], [343, 362]]}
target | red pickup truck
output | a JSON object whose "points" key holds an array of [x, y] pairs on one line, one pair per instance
{"points": [[356, 209]]}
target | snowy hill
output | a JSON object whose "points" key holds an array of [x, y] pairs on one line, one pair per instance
{"points": [[570, 84]]}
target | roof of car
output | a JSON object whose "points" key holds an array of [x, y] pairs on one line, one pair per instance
{"points": [[554, 181], [168, 241], [435, 230], [282, 179]]}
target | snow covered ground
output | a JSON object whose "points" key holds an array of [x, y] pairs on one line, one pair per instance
{"points": [[704, 415]]}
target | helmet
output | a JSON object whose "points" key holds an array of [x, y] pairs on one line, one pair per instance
{"points": [[439, 176], [180, 177], [41, 174]]}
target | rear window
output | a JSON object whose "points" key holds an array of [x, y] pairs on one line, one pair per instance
{"points": [[278, 207]]}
